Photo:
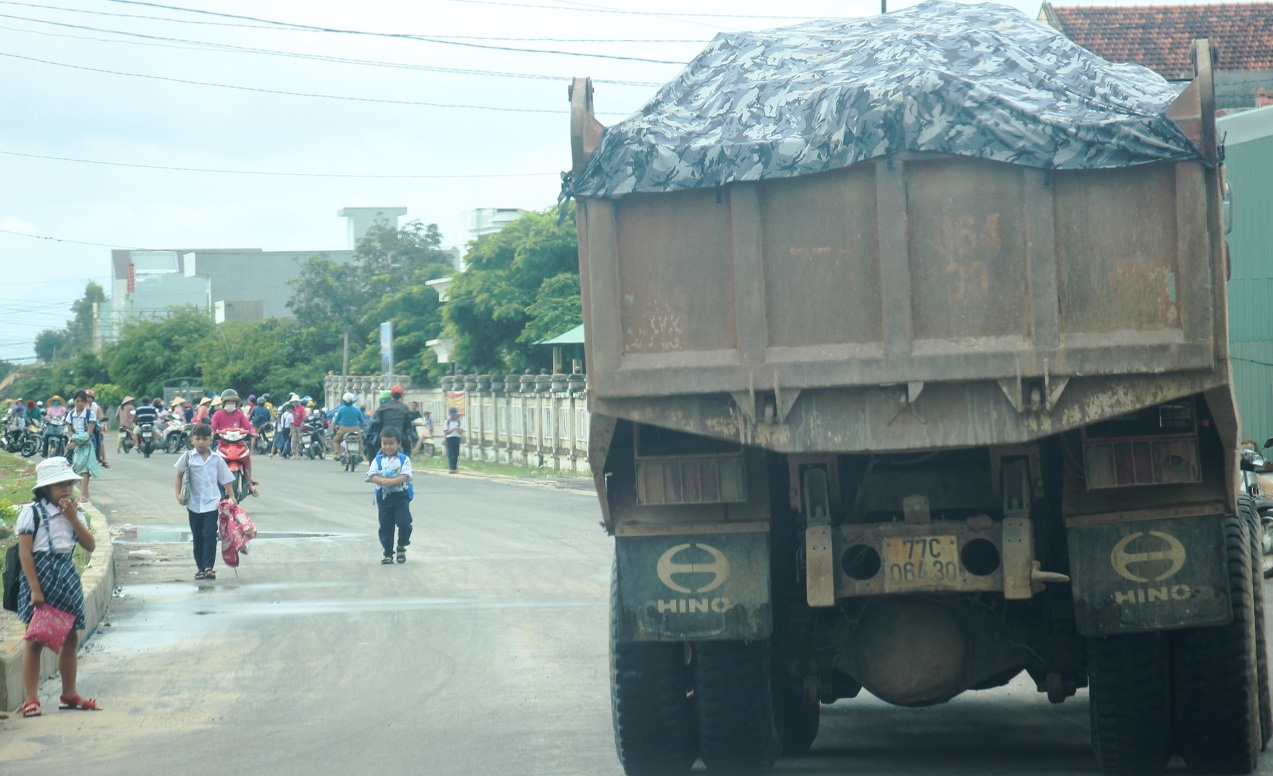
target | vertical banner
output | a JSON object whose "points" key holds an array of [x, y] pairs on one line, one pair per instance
{"points": [[458, 400], [386, 347]]}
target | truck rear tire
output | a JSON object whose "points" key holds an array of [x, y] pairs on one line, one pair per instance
{"points": [[1246, 508], [1130, 703], [739, 726], [1215, 689], [649, 702], [801, 720]]}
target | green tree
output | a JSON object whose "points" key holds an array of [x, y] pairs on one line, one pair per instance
{"points": [[151, 351], [517, 290], [52, 343]]}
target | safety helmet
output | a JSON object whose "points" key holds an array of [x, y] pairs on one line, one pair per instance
{"points": [[347, 397], [397, 390], [251, 397], [384, 396], [265, 397], [39, 404], [228, 394], [91, 394]]}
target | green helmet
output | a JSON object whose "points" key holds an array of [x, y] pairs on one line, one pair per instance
{"points": [[385, 396]]}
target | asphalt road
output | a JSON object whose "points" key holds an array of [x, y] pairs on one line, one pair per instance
{"points": [[484, 654]]}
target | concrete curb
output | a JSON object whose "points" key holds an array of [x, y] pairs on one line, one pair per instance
{"points": [[99, 585]]}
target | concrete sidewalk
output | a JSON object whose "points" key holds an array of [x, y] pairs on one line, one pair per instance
{"points": [[99, 584]]}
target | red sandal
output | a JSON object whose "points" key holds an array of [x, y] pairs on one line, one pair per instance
{"points": [[80, 703], [30, 709]]}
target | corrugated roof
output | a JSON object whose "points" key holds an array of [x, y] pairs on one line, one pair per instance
{"points": [[1159, 36]]}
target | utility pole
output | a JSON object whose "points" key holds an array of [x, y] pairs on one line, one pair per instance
{"points": [[97, 334], [344, 365], [883, 6]]}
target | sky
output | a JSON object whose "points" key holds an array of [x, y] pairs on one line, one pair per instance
{"points": [[476, 116]]}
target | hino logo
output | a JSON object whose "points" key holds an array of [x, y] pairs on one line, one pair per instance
{"points": [[668, 569], [1171, 550]]}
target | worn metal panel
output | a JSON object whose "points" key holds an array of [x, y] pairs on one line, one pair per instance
{"points": [[819, 242], [1116, 237], [1149, 575], [967, 240], [694, 586], [676, 273]]}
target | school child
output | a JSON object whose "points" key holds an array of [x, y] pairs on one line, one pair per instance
{"points": [[283, 436], [390, 471], [49, 575], [83, 423], [203, 473]]}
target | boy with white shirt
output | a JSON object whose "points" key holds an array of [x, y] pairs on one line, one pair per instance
{"points": [[205, 473]]}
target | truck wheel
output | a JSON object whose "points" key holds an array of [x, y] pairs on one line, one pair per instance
{"points": [[649, 702], [1215, 693], [1246, 508], [801, 720], [739, 727], [1130, 703]]}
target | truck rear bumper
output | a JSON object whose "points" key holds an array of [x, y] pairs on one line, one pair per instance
{"points": [[1137, 573]]}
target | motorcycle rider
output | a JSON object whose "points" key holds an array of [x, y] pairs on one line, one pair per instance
{"points": [[57, 407], [35, 413], [124, 418], [393, 414], [348, 418], [145, 413], [230, 416]]}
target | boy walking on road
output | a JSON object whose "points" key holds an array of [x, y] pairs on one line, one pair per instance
{"points": [[203, 473], [390, 471]]}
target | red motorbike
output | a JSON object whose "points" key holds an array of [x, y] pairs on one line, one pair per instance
{"points": [[233, 444]]}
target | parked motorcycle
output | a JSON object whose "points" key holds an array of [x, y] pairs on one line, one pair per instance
{"points": [[313, 440], [53, 438], [264, 438], [30, 443], [350, 453], [233, 446], [1252, 461], [177, 436]]}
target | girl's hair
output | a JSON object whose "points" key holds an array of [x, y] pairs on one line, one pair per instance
{"points": [[44, 493], [80, 394], [201, 430]]}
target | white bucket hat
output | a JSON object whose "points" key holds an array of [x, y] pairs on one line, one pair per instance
{"points": [[51, 471]]}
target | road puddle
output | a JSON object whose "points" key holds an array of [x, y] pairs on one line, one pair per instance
{"points": [[176, 534]]}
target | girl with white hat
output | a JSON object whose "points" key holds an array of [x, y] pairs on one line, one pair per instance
{"points": [[49, 576]]}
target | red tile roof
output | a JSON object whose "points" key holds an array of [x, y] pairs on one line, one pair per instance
{"points": [[1158, 36]]}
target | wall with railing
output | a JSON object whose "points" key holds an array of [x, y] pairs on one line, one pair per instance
{"points": [[536, 421]]}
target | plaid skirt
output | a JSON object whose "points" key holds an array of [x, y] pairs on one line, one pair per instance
{"points": [[60, 583]]}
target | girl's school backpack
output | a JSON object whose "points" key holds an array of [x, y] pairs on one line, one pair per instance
{"points": [[13, 565]]}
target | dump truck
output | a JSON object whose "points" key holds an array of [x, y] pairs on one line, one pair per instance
{"points": [[908, 373]]}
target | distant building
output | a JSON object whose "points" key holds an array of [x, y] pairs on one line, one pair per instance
{"points": [[1159, 37], [233, 284]]}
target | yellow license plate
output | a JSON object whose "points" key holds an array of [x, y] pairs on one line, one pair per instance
{"points": [[921, 562]]}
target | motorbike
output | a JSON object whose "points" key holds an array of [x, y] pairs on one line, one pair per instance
{"points": [[177, 436], [53, 438], [313, 441], [233, 444], [13, 434], [1252, 461], [31, 439], [148, 438], [126, 442], [350, 453], [264, 438]]}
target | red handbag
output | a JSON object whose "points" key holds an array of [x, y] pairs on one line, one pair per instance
{"points": [[50, 627]]}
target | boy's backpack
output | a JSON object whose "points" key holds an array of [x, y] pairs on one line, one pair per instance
{"points": [[13, 565], [402, 457]]}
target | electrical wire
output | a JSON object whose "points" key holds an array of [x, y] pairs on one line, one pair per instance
{"points": [[209, 45], [276, 172], [583, 8], [397, 35], [271, 27], [75, 242], [238, 87]]}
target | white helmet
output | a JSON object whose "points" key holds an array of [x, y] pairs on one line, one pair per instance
{"points": [[347, 398]]}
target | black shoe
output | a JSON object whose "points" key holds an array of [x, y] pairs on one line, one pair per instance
{"points": [[386, 560]]}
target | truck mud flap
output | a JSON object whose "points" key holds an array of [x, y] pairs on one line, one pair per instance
{"points": [[702, 586], [1148, 575]]}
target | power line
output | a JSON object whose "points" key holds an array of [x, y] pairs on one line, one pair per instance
{"points": [[275, 172], [237, 87], [398, 35], [505, 39], [67, 240], [209, 45], [583, 8]]}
